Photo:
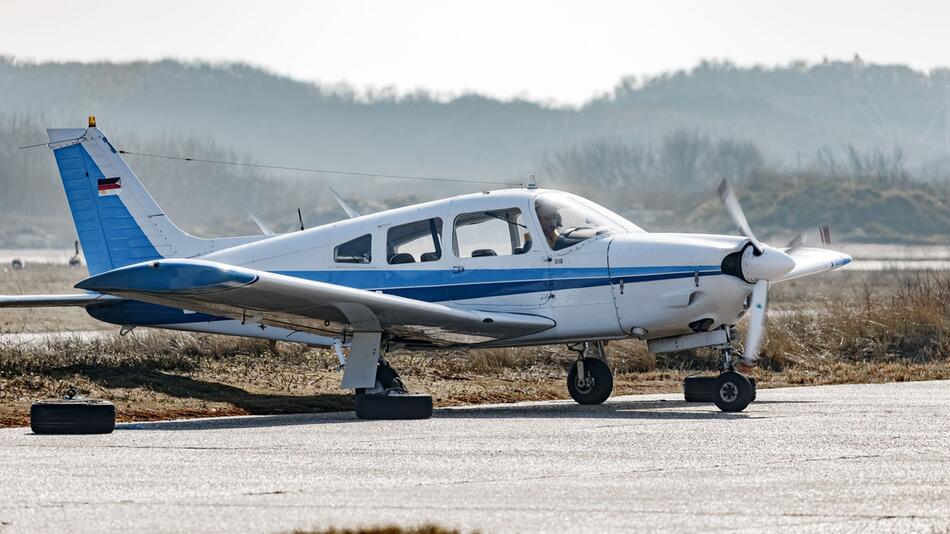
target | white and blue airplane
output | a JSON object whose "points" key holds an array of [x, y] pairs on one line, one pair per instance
{"points": [[503, 268]]}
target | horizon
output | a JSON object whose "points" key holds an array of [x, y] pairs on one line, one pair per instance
{"points": [[560, 54], [371, 94]]}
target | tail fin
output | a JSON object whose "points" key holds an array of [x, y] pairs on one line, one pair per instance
{"points": [[118, 221]]}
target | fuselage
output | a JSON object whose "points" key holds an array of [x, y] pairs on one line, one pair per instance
{"points": [[601, 278]]}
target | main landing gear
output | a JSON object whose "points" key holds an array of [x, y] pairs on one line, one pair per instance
{"points": [[388, 399], [730, 391], [590, 380]]}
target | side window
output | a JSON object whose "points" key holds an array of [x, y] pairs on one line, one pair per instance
{"points": [[419, 241], [491, 233], [358, 250]]}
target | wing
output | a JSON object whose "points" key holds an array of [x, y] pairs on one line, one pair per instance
{"points": [[810, 261], [41, 301], [305, 305]]}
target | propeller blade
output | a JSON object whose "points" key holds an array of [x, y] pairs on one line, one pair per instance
{"points": [[823, 236], [260, 224], [350, 212], [734, 209], [757, 310], [795, 243]]}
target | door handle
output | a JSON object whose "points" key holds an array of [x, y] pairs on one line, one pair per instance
{"points": [[457, 269]]}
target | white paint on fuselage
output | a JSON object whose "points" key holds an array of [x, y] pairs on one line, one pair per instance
{"points": [[663, 306]]}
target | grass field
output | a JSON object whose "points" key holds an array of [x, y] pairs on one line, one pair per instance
{"points": [[840, 327]]}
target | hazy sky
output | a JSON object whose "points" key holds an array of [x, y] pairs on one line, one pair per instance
{"points": [[564, 52]]}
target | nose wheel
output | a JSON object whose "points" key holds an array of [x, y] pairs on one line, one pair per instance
{"points": [[732, 392], [590, 381]]}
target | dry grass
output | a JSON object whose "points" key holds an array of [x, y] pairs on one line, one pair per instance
{"points": [[389, 529], [44, 279], [866, 328]]}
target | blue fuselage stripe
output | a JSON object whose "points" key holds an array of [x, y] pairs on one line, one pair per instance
{"points": [[444, 285], [432, 285]]}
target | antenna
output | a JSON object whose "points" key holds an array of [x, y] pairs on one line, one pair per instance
{"points": [[300, 218], [532, 183]]}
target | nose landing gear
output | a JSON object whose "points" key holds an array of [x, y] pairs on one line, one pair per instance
{"points": [[590, 381], [731, 391]]}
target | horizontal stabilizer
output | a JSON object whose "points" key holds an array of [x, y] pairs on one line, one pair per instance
{"points": [[45, 301]]}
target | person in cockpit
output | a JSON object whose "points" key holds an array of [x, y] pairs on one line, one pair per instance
{"points": [[550, 222]]}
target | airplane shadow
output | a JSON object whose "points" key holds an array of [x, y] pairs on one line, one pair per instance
{"points": [[239, 422], [287, 409], [627, 409]]}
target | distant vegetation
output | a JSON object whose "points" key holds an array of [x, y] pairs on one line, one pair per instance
{"points": [[865, 148]]}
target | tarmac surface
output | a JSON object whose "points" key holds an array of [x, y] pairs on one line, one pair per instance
{"points": [[822, 459]]}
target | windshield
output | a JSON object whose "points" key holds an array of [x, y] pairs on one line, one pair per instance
{"points": [[567, 220]]}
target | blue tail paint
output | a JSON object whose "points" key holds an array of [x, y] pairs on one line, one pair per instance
{"points": [[117, 220], [109, 234]]}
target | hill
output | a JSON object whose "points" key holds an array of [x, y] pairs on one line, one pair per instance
{"points": [[653, 148]]}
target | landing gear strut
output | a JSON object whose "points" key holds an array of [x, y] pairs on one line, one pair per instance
{"points": [[590, 381], [388, 399]]}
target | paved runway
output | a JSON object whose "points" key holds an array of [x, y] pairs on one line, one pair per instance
{"points": [[836, 458]]}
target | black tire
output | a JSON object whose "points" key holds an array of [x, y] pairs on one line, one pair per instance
{"points": [[732, 392], [72, 417], [394, 406], [699, 388], [386, 378], [600, 378]]}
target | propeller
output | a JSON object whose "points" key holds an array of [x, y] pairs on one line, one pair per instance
{"points": [[260, 224], [350, 212], [758, 265], [824, 239], [734, 209], [758, 304]]}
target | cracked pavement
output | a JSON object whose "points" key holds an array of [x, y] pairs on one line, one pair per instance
{"points": [[822, 459]]}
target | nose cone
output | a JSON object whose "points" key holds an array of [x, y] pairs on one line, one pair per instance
{"points": [[771, 264]]}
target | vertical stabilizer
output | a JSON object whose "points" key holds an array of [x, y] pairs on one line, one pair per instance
{"points": [[118, 221]]}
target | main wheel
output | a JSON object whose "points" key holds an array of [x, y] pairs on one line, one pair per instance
{"points": [[389, 400], [732, 392], [596, 384], [393, 405], [67, 416]]}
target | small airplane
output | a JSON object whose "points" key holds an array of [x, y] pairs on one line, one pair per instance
{"points": [[503, 268]]}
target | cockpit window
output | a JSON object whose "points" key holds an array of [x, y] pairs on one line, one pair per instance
{"points": [[500, 232], [358, 250], [566, 221], [419, 241]]}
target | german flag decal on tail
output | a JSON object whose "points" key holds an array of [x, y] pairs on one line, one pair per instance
{"points": [[109, 186]]}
